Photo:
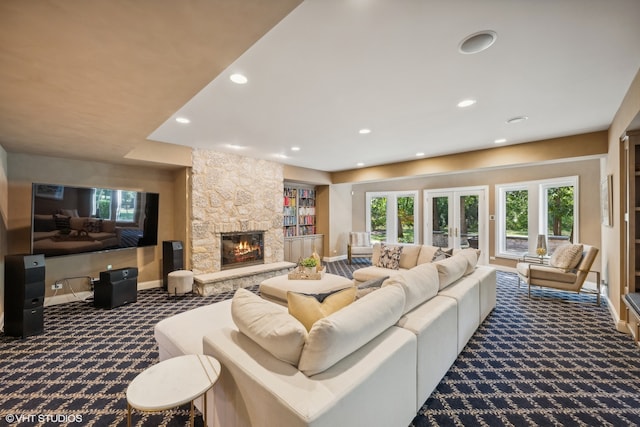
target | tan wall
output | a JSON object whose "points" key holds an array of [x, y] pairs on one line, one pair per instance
{"points": [[4, 223], [589, 190], [24, 169], [613, 249]]}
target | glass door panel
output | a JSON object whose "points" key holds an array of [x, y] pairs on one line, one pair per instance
{"points": [[378, 209], [468, 221], [440, 222], [406, 219]]}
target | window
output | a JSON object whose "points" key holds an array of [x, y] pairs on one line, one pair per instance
{"points": [[391, 216], [528, 209]]}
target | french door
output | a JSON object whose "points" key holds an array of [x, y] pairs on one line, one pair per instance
{"points": [[457, 218]]}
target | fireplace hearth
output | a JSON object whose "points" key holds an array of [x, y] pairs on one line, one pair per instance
{"points": [[241, 249]]}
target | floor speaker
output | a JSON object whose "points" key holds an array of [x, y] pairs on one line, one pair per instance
{"points": [[24, 295], [172, 259], [116, 288]]}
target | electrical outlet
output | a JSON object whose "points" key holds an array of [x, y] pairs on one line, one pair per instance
{"points": [[56, 286]]}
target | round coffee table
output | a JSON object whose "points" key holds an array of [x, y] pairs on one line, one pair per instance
{"points": [[172, 383]]}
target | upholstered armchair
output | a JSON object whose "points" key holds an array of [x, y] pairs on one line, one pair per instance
{"points": [[359, 245], [568, 269]]}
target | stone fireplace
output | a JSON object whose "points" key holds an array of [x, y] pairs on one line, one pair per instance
{"points": [[241, 249]]}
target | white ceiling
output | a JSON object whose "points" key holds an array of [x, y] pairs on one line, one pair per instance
{"points": [[332, 67]]}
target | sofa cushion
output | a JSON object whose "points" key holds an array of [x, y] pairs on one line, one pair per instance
{"points": [[566, 256], [108, 226], [389, 257], [419, 285], [409, 256], [268, 325], [309, 308], [93, 225], [427, 252], [336, 336], [373, 272], [471, 255], [43, 223], [451, 269]]}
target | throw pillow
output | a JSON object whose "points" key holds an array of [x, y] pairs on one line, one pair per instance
{"points": [[439, 255], [471, 255], [369, 286], [93, 225], [566, 256], [63, 222], [390, 257], [268, 325], [309, 308]]}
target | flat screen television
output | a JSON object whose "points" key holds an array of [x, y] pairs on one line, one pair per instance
{"points": [[69, 220]]}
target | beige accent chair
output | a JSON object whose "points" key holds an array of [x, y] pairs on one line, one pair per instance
{"points": [[534, 274], [359, 245]]}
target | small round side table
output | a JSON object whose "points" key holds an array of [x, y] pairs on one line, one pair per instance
{"points": [[172, 383]]}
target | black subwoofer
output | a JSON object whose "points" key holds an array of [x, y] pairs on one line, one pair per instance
{"points": [[172, 259], [24, 295], [116, 288]]}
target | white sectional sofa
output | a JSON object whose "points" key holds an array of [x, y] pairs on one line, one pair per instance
{"points": [[374, 362]]}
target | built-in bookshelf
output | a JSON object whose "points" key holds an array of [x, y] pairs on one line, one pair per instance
{"points": [[298, 211]]}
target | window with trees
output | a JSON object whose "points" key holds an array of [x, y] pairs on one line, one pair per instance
{"points": [[391, 216], [528, 209]]}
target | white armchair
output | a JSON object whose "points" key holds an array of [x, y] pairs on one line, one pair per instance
{"points": [[359, 245]]}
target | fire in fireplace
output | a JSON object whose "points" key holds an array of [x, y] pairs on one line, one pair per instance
{"points": [[242, 249]]}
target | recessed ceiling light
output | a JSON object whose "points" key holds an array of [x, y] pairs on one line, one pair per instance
{"points": [[419, 154], [364, 131], [281, 156], [477, 42], [183, 120], [295, 148], [359, 164], [238, 78], [466, 103], [235, 146], [500, 140], [517, 119]]}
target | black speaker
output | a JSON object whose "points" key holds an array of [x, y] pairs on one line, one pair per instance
{"points": [[116, 288], [172, 259], [24, 295]]}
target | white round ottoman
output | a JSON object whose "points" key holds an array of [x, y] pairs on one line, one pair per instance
{"points": [[180, 282]]}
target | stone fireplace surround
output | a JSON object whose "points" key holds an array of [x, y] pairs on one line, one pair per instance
{"points": [[231, 193]]}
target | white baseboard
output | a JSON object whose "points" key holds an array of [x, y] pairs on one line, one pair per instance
{"points": [[333, 258], [84, 295]]}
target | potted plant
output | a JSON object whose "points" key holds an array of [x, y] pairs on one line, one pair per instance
{"points": [[309, 264]]}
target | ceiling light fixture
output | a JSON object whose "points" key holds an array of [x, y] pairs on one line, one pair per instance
{"points": [[419, 154], [477, 42], [238, 78], [500, 140], [295, 148], [517, 119], [359, 164], [183, 120], [466, 103], [364, 131], [235, 146], [281, 156]]}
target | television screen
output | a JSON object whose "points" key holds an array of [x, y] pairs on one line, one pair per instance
{"points": [[69, 220]]}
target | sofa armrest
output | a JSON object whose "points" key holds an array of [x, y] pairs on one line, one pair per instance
{"points": [[259, 390]]}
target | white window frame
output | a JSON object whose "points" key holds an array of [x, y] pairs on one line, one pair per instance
{"points": [[537, 208], [392, 212]]}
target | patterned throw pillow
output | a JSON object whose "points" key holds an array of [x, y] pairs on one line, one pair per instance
{"points": [[439, 255], [93, 225], [566, 256], [63, 222], [390, 257]]}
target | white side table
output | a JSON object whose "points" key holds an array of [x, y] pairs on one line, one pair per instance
{"points": [[172, 383]]}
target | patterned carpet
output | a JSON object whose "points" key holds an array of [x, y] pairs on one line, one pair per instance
{"points": [[553, 360]]}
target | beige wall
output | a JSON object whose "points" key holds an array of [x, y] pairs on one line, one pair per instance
{"points": [[25, 169], [613, 249], [4, 223], [588, 172]]}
